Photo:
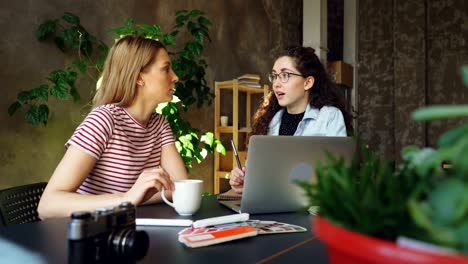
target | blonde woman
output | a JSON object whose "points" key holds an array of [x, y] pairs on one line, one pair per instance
{"points": [[123, 150]]}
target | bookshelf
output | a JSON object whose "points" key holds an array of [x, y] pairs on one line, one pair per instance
{"points": [[224, 164]]}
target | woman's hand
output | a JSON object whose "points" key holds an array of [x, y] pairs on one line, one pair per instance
{"points": [[236, 180], [148, 183]]}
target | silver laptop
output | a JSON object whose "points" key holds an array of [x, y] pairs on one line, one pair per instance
{"points": [[274, 162]]}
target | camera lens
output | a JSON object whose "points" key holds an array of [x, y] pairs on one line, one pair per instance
{"points": [[129, 244]]}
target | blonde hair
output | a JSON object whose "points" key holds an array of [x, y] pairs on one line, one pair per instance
{"points": [[128, 57]]}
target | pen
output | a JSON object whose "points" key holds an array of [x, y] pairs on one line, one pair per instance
{"points": [[235, 154]]}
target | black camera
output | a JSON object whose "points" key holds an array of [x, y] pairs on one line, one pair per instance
{"points": [[107, 235]]}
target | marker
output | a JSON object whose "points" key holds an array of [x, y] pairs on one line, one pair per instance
{"points": [[237, 155]]}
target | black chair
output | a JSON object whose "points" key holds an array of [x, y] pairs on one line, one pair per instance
{"points": [[18, 205]]}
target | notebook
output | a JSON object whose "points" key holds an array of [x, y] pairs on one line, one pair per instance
{"points": [[274, 162]]}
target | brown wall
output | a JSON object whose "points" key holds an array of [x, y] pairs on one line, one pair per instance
{"points": [[244, 35], [410, 53]]}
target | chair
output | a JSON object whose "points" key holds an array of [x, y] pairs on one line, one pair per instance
{"points": [[18, 205]]}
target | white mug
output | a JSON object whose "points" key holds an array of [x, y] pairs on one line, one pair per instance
{"points": [[186, 197], [224, 120]]}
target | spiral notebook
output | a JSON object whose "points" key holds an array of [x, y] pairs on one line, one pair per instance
{"points": [[229, 196]]}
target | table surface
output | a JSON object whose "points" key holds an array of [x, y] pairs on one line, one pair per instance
{"points": [[48, 239]]}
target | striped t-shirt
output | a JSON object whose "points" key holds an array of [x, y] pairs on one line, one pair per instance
{"points": [[122, 146]]}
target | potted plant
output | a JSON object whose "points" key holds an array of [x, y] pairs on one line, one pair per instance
{"points": [[372, 212]]}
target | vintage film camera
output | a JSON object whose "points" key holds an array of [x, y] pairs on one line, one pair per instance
{"points": [[107, 235]]}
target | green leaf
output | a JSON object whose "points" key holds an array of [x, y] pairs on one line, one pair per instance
{"points": [[129, 22], [43, 114], [71, 18], [57, 75], [70, 38], [153, 30], [41, 92], [46, 29], [204, 21], [208, 138], [60, 42], [219, 147], [194, 48], [13, 108], [169, 40], [32, 116], [181, 12], [60, 90], [458, 157], [195, 13], [74, 93], [445, 200], [191, 26], [450, 137], [440, 112], [23, 97], [180, 20], [198, 35], [71, 77]]}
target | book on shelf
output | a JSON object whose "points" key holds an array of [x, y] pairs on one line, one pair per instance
{"points": [[249, 76], [250, 84]]}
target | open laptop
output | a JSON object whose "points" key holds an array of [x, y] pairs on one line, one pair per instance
{"points": [[274, 162]]}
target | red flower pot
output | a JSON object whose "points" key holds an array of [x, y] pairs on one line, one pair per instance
{"points": [[344, 246]]}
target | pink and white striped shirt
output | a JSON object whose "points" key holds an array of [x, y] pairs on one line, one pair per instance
{"points": [[122, 146]]}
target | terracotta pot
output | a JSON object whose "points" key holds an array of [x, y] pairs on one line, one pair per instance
{"points": [[344, 246]]}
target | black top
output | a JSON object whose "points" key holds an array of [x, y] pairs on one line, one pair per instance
{"points": [[289, 123]]}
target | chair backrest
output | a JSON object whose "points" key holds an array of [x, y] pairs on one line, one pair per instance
{"points": [[18, 205]]}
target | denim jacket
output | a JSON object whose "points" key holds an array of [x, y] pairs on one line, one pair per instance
{"points": [[328, 121]]}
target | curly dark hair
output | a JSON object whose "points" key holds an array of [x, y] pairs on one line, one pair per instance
{"points": [[323, 92]]}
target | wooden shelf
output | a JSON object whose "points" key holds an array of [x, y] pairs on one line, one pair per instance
{"points": [[227, 85], [224, 165], [222, 175], [229, 129]]}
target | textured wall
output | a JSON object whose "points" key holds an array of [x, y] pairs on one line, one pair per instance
{"points": [[410, 53], [244, 35], [447, 51], [376, 79]]}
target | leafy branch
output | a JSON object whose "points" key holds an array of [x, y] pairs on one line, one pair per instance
{"points": [[69, 35]]}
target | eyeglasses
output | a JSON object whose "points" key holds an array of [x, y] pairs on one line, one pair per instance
{"points": [[283, 76]]}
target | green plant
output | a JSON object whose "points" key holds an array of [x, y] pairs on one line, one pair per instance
{"points": [[367, 196], [419, 199], [440, 205], [69, 35]]}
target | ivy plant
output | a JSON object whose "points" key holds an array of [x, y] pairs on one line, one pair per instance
{"points": [[69, 35]]}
